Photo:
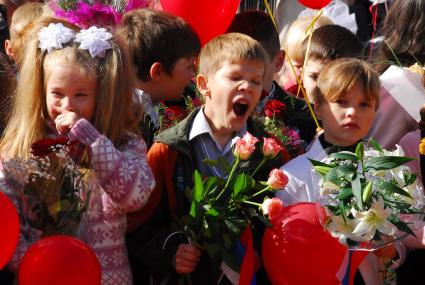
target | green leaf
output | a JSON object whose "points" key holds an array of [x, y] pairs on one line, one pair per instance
{"points": [[386, 162], [322, 170], [243, 182], [231, 226], [213, 249], [376, 145], [345, 193], [318, 163], [227, 241], [344, 156], [340, 172], [357, 192], [393, 188], [402, 226], [223, 164], [367, 191], [360, 150], [193, 209], [199, 187], [210, 183], [212, 212], [230, 260]]}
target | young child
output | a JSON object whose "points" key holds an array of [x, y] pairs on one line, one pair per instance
{"points": [[346, 98], [292, 45], [18, 39], [162, 48], [231, 71], [76, 84], [327, 43], [297, 115]]}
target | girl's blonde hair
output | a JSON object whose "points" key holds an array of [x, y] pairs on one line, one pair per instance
{"points": [[340, 75], [115, 115], [293, 43]]}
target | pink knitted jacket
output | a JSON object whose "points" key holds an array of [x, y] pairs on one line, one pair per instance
{"points": [[123, 182]]}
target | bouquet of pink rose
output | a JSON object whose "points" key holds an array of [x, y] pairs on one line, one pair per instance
{"points": [[221, 208]]}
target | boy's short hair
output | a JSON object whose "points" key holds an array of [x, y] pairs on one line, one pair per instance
{"points": [[331, 42], [156, 36], [231, 47], [340, 75], [293, 43], [259, 26]]}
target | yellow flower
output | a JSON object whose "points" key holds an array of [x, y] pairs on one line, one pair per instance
{"points": [[422, 147]]}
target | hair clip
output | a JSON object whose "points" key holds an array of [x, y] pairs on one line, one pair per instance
{"points": [[95, 40], [54, 36]]}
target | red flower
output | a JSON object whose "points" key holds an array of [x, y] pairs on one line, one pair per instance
{"points": [[271, 147], [274, 108], [277, 179], [175, 113], [272, 207], [43, 147]]}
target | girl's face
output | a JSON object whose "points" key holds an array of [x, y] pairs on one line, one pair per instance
{"points": [[348, 119], [312, 69], [69, 88]]}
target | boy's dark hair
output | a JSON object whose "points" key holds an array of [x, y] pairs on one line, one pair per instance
{"points": [[404, 32], [259, 26], [156, 36], [331, 42]]}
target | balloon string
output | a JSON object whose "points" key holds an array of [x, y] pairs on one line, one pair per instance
{"points": [[374, 11], [271, 14], [309, 32]]}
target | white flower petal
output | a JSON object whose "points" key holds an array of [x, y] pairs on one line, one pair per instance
{"points": [[54, 36], [95, 40]]}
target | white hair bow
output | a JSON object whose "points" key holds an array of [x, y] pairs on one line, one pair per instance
{"points": [[95, 40], [54, 36]]}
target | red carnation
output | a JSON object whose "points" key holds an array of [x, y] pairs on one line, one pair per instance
{"points": [[274, 108]]}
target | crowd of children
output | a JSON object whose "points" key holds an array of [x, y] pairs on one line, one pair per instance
{"points": [[102, 87]]}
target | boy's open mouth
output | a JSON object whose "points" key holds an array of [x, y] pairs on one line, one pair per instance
{"points": [[240, 108]]}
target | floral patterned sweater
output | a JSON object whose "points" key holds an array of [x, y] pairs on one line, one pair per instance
{"points": [[122, 183]]}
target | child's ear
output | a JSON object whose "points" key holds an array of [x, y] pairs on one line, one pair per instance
{"points": [[8, 49], [278, 61], [156, 71], [317, 110], [202, 84]]}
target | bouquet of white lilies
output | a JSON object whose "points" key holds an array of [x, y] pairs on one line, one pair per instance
{"points": [[368, 195]]}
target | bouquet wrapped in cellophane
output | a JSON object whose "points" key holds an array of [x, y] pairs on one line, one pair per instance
{"points": [[370, 196], [55, 184]]}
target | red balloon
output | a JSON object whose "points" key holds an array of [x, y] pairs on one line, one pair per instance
{"points": [[9, 225], [315, 4], [298, 250], [208, 18], [61, 260]]}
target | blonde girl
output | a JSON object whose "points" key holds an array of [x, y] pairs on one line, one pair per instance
{"points": [[75, 83]]}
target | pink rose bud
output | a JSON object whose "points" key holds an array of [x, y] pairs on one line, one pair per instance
{"points": [[271, 147], [250, 139], [272, 207], [277, 179], [242, 149]]}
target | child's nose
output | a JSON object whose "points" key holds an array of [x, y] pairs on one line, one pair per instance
{"points": [[246, 85], [67, 104], [351, 111]]}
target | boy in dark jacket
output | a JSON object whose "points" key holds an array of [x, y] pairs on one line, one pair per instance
{"points": [[230, 78]]}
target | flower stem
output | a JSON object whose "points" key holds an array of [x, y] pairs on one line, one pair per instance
{"points": [[229, 178], [258, 167], [252, 203], [260, 192]]}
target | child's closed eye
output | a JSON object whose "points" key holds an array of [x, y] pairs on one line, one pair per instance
{"points": [[364, 104]]}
